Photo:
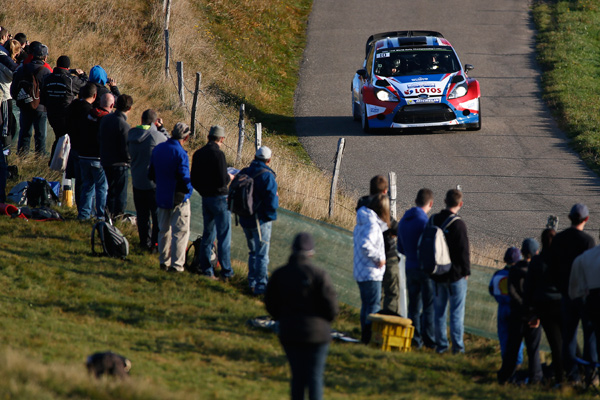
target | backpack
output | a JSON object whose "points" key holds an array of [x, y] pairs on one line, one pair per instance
{"points": [[240, 200], [432, 249], [28, 89], [114, 244], [192, 256], [40, 193]]}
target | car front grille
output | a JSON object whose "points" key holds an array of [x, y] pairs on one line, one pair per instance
{"points": [[424, 113]]}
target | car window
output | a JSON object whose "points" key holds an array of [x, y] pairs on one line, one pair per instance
{"points": [[369, 66], [416, 61]]}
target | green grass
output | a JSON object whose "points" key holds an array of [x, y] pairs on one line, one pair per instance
{"points": [[568, 45], [186, 335]]}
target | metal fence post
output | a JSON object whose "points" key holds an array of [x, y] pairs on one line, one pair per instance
{"points": [[166, 53], [336, 172], [393, 194], [241, 130], [258, 136]]}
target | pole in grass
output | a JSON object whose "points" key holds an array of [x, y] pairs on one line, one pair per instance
{"points": [[336, 173], [241, 130], [195, 104]]}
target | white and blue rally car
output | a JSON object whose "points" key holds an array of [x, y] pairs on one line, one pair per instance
{"points": [[414, 80]]}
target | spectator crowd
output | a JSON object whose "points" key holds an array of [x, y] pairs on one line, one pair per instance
{"points": [[554, 289]]}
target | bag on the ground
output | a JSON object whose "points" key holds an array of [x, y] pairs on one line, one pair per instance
{"points": [[432, 248], [192, 256], [241, 189], [28, 90], [40, 214], [18, 194], [112, 241], [61, 154], [40, 193]]}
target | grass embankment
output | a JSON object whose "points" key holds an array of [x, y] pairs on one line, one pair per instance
{"points": [[185, 335], [568, 45]]}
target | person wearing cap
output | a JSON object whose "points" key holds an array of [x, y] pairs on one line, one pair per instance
{"points": [[170, 170], [498, 288], [257, 227], [30, 118], [211, 179], [57, 92], [546, 302], [114, 155], [301, 297], [566, 246], [141, 140], [522, 324]]}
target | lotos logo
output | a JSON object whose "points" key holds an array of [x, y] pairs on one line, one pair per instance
{"points": [[409, 91], [429, 90]]}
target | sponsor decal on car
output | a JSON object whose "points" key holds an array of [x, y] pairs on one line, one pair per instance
{"points": [[374, 110], [424, 101]]}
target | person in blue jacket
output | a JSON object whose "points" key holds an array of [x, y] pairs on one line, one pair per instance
{"points": [[257, 227], [499, 290], [170, 170]]}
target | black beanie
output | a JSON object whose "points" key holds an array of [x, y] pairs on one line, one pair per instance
{"points": [[303, 242], [63, 62]]}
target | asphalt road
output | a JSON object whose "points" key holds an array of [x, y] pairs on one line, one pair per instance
{"points": [[514, 173]]}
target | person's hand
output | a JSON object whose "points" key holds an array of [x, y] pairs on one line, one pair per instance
{"points": [[534, 323], [79, 71], [159, 123], [381, 264], [112, 82]]}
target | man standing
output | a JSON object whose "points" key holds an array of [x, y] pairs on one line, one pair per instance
{"points": [[114, 155], [29, 116], [257, 227], [170, 170], [141, 140], [419, 284], [566, 246], [451, 287], [210, 178], [302, 298]]}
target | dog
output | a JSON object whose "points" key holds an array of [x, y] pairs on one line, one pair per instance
{"points": [[108, 363]]}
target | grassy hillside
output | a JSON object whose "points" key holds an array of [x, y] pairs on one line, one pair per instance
{"points": [[186, 335]]}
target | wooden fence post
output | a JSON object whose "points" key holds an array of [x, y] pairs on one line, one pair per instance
{"points": [[180, 83], [241, 129], [194, 104], [167, 8], [167, 50], [336, 172], [258, 136], [393, 194]]}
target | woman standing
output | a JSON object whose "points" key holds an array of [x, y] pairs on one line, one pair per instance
{"points": [[369, 257]]}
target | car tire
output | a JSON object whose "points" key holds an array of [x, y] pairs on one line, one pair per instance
{"points": [[477, 125], [365, 120], [355, 109]]}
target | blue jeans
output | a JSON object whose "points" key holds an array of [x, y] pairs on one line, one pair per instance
{"points": [[307, 362], [258, 256], [93, 182], [420, 307], [370, 302], [116, 197], [37, 120], [217, 223], [454, 293], [572, 312], [503, 318]]}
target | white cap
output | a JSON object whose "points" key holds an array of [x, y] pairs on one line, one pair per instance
{"points": [[264, 153]]}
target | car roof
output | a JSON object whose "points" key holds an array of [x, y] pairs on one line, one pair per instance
{"points": [[397, 39]]}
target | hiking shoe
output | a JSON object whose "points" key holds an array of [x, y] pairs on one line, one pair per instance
{"points": [[175, 269], [163, 267]]}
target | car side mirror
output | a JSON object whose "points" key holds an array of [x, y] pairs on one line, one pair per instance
{"points": [[362, 73], [469, 67]]}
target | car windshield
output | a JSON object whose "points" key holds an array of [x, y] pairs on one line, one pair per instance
{"points": [[416, 61]]}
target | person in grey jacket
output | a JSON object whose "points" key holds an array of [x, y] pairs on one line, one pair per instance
{"points": [[141, 140]]}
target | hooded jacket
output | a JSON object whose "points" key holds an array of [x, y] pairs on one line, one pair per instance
{"points": [[410, 228], [265, 194], [39, 68], [7, 69], [302, 298], [112, 135], [88, 144], [78, 124], [99, 77], [141, 140], [369, 248], [170, 169], [59, 89]]}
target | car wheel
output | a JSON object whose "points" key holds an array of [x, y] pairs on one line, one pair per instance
{"points": [[355, 109], [365, 120], [477, 125]]}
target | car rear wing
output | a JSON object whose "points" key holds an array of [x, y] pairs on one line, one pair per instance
{"points": [[383, 35]]}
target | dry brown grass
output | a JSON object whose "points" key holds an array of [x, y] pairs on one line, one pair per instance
{"points": [[126, 38]]}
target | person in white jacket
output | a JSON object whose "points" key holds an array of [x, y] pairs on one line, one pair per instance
{"points": [[369, 257]]}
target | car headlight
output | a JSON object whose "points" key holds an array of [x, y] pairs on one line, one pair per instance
{"points": [[384, 95], [459, 90]]}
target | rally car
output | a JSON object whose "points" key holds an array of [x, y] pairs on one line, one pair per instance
{"points": [[414, 80]]}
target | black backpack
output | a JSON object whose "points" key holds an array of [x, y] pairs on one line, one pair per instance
{"points": [[28, 89], [40, 193], [240, 200], [192, 256], [114, 244], [432, 248]]}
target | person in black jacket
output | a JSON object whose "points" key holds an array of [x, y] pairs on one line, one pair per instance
{"points": [[114, 156], [522, 324], [302, 298], [210, 178], [451, 287], [58, 91]]}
